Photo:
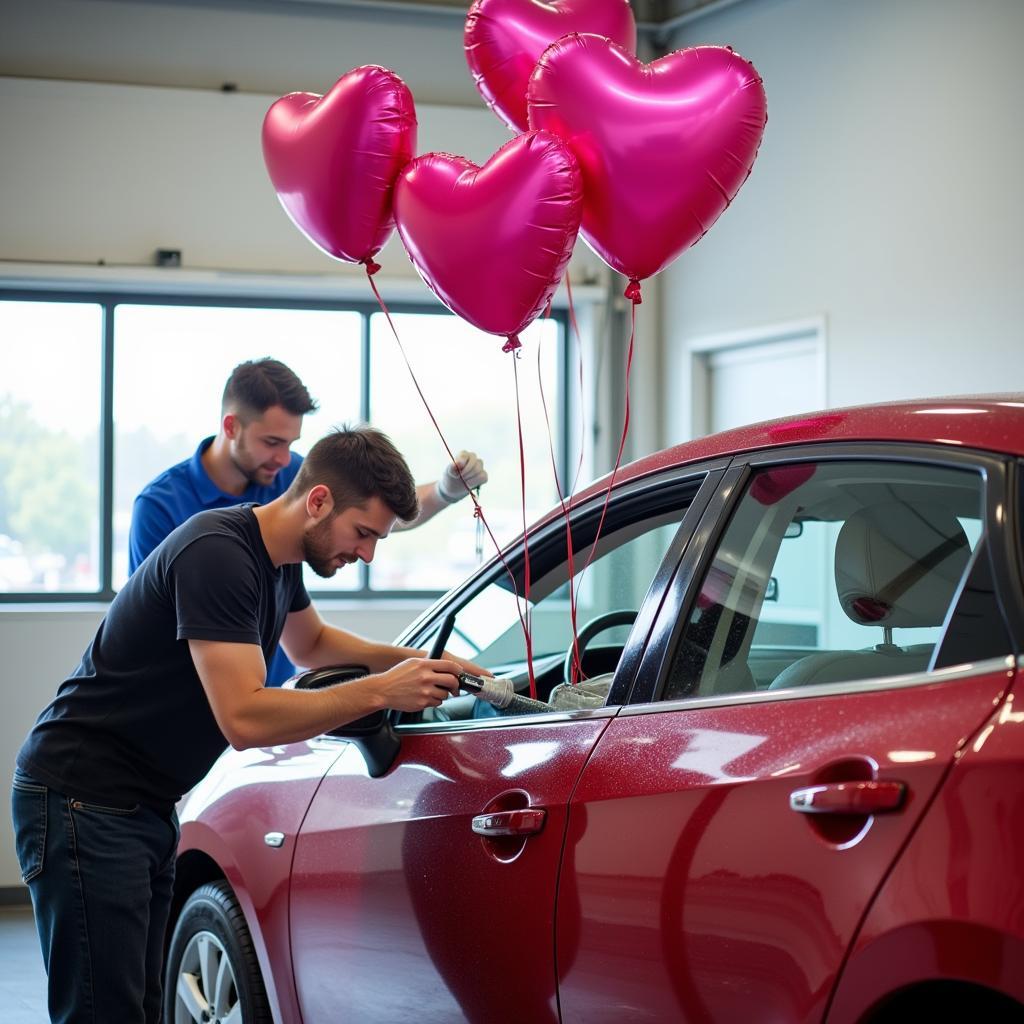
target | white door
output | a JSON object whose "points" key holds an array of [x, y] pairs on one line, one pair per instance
{"points": [[761, 382], [745, 377]]}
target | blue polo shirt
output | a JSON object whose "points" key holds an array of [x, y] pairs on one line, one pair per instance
{"points": [[179, 493]]}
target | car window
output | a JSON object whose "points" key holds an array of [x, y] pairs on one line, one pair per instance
{"points": [[487, 629], [828, 573]]}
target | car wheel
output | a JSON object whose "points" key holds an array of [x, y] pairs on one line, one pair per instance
{"points": [[212, 974]]}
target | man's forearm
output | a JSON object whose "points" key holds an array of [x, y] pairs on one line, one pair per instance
{"points": [[249, 714], [273, 716], [338, 647]]}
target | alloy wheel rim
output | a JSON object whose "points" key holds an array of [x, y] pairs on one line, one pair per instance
{"points": [[206, 991]]}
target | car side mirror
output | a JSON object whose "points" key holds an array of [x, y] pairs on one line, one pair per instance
{"points": [[318, 678], [365, 726], [373, 734]]}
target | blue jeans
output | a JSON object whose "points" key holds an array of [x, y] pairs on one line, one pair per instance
{"points": [[101, 880]]}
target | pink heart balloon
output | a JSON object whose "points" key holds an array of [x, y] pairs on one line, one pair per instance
{"points": [[492, 242], [333, 159], [664, 147], [504, 39]]}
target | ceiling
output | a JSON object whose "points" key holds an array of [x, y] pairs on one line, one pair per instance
{"points": [[657, 19], [270, 46]]}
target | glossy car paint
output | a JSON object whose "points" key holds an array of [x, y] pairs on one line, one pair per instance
{"points": [[954, 904], [401, 912], [687, 887], [727, 899], [226, 817], [989, 422]]}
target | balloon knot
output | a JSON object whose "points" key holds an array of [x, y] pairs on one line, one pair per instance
{"points": [[478, 512], [512, 344], [632, 292], [371, 267]]}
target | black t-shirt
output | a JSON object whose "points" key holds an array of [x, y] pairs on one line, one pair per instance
{"points": [[132, 723]]}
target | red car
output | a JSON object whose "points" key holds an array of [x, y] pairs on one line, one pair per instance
{"points": [[791, 787]]}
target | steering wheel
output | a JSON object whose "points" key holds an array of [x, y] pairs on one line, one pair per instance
{"points": [[598, 624]]}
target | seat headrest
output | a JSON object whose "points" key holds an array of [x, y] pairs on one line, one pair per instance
{"points": [[899, 564]]}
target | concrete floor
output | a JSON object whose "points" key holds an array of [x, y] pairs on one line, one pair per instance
{"points": [[22, 979]]}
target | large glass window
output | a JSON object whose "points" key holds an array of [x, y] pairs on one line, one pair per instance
{"points": [[50, 389], [171, 364], [469, 384], [99, 396]]}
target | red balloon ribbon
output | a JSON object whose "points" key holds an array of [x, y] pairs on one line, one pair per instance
{"points": [[526, 534], [622, 445], [478, 512], [566, 505]]}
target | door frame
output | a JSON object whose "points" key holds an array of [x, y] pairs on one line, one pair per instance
{"points": [[701, 349]]}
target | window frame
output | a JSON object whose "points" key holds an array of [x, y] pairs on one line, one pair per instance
{"points": [[1003, 502], [108, 299]]}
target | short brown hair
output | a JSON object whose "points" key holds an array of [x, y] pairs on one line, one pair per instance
{"points": [[356, 464], [258, 384]]}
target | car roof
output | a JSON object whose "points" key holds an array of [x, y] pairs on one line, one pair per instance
{"points": [[987, 422]]}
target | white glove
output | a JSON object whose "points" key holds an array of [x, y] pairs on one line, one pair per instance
{"points": [[450, 488]]}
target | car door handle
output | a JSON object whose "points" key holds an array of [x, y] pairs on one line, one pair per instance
{"points": [[525, 822], [848, 798]]}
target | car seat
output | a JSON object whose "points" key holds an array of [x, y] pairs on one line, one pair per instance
{"points": [[898, 565]]}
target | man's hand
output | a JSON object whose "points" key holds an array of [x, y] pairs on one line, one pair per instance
{"points": [[418, 683], [468, 666], [450, 487]]}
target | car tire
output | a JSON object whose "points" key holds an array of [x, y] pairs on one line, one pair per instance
{"points": [[211, 932]]}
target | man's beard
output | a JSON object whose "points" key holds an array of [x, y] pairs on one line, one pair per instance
{"points": [[241, 461], [317, 551]]}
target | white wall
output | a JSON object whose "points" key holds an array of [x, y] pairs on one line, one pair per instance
{"points": [[886, 196]]}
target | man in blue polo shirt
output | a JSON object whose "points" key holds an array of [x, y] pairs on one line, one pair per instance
{"points": [[250, 460]]}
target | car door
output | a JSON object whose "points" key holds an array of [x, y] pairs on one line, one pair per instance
{"points": [[427, 891], [831, 642]]}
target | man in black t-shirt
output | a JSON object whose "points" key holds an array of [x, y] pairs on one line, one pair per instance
{"points": [[175, 672]]}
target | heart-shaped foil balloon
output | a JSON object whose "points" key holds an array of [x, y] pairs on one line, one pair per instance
{"points": [[663, 147], [492, 242], [504, 39], [333, 159]]}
